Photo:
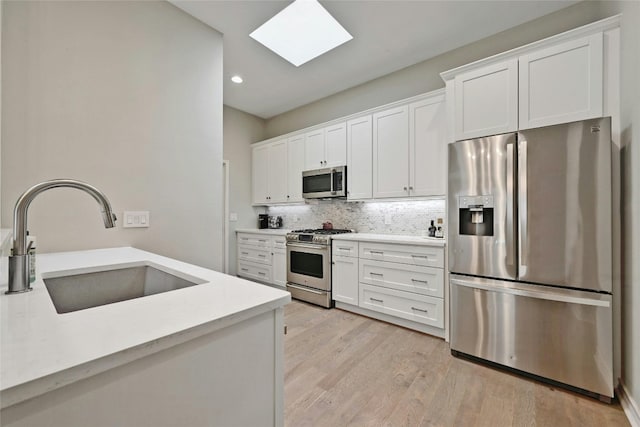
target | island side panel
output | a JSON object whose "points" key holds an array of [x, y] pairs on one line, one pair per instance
{"points": [[230, 377]]}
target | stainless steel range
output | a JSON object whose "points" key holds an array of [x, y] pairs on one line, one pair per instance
{"points": [[309, 265]]}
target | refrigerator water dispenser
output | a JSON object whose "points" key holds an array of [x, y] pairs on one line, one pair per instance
{"points": [[476, 215]]}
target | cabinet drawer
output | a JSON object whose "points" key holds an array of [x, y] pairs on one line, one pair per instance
{"points": [[417, 308], [254, 240], [251, 254], [258, 272], [426, 256], [280, 242], [345, 248], [403, 277]]}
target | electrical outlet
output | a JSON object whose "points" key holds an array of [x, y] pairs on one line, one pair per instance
{"points": [[135, 219], [233, 216], [387, 219]]}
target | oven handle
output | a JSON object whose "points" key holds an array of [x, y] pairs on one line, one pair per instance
{"points": [[305, 289], [307, 246]]}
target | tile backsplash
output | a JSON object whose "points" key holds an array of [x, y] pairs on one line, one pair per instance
{"points": [[403, 217]]}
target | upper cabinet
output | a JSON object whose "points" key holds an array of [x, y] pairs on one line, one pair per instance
{"points": [[391, 153], [486, 100], [326, 147], [428, 147], [269, 173], [295, 166], [569, 77], [561, 83], [359, 158]]}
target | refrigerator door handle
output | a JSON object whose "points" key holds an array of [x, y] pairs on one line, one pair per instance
{"points": [[511, 209], [522, 206], [533, 291]]}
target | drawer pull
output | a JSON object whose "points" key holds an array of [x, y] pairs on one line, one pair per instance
{"points": [[261, 273], [262, 241], [420, 309], [244, 269], [345, 249], [245, 253], [376, 274], [426, 282], [377, 252], [262, 255], [376, 300], [419, 256]]}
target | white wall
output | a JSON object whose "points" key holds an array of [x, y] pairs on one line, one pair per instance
{"points": [[425, 76], [128, 97], [630, 158], [240, 131]]}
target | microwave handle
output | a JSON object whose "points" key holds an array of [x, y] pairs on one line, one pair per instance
{"points": [[333, 171]]}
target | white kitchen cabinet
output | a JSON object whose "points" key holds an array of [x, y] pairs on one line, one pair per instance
{"points": [[259, 173], [405, 305], [262, 258], [326, 147], [279, 261], [295, 166], [269, 173], [391, 152], [561, 83], [359, 158], [428, 147], [344, 275], [335, 138], [486, 100]]}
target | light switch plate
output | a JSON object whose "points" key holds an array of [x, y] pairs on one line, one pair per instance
{"points": [[233, 216], [135, 219]]}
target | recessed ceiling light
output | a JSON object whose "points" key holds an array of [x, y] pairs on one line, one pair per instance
{"points": [[301, 31], [236, 79]]}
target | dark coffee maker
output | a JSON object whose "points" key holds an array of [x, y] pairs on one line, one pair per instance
{"points": [[263, 221]]}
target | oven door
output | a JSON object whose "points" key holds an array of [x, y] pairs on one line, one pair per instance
{"points": [[309, 265]]}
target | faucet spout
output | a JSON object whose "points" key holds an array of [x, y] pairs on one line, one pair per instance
{"points": [[18, 280]]}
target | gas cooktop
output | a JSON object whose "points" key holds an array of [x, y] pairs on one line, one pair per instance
{"points": [[322, 231]]}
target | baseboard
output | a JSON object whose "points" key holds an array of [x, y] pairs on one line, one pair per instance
{"points": [[629, 406]]}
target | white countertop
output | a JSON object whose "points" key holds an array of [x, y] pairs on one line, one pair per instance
{"points": [[42, 350], [267, 231], [391, 238]]}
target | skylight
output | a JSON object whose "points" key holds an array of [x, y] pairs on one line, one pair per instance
{"points": [[302, 31]]}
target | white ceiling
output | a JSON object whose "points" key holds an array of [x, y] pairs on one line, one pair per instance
{"points": [[388, 36]]}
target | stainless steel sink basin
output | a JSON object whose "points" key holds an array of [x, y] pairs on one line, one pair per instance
{"points": [[71, 291]]}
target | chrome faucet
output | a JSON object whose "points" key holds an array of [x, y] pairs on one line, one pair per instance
{"points": [[19, 258]]}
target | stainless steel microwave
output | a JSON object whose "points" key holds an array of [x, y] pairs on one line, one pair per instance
{"points": [[324, 183]]}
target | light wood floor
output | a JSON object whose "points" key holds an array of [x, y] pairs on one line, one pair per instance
{"points": [[344, 369]]}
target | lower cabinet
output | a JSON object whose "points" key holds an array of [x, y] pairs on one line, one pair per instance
{"points": [[344, 275], [262, 258], [397, 283]]}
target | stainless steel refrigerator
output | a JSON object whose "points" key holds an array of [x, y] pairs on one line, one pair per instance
{"points": [[530, 252]]}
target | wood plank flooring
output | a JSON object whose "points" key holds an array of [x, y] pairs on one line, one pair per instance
{"points": [[343, 369]]}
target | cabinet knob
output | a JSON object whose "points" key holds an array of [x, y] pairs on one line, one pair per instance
{"points": [[405, 188], [410, 188], [287, 196]]}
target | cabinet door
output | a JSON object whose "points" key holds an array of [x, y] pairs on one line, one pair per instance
{"points": [[486, 101], [427, 147], [562, 83], [277, 172], [259, 162], [314, 149], [344, 273], [359, 159], [280, 267], [391, 153], [295, 166], [335, 138]]}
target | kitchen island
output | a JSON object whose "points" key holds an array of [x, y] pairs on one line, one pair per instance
{"points": [[209, 354]]}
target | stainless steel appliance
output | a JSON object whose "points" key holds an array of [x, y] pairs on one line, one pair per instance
{"points": [[530, 252], [309, 265], [324, 183]]}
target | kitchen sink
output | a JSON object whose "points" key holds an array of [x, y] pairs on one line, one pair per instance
{"points": [[73, 291]]}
